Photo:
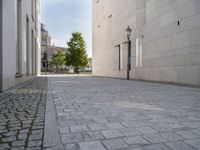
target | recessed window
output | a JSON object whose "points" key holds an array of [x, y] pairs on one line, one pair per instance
{"points": [[178, 23]]}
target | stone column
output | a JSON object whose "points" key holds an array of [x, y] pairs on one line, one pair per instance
{"points": [[1, 67]]}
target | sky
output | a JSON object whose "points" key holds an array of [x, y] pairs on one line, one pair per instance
{"points": [[63, 17]]}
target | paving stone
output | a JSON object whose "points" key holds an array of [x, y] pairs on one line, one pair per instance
{"points": [[64, 130], [81, 128], [71, 138], [71, 147], [95, 127], [114, 144], [4, 146], [155, 138], [171, 136], [112, 134], [179, 146], [196, 131], [187, 134], [157, 147], [136, 140], [194, 142], [146, 130], [114, 125], [100, 120], [18, 143], [129, 131], [134, 148], [12, 133], [22, 136], [91, 136], [37, 132], [92, 145], [24, 131], [9, 139], [33, 148], [18, 148], [191, 124], [34, 143], [35, 137]]}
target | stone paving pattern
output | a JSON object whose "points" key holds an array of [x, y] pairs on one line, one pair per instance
{"points": [[111, 114], [22, 111], [100, 114]]}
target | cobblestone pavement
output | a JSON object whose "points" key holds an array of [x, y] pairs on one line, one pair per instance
{"points": [[22, 116], [110, 114]]}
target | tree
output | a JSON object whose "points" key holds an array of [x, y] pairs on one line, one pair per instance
{"points": [[76, 55], [58, 59]]}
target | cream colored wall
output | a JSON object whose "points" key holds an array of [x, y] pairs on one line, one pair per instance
{"points": [[9, 41], [161, 50]]}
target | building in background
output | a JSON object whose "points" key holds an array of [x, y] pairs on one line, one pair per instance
{"points": [[47, 48], [45, 39], [165, 42], [19, 41]]}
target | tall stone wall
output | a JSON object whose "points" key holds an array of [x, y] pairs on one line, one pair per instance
{"points": [[165, 40], [1, 46], [11, 42]]}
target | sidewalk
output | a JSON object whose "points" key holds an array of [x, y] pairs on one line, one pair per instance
{"points": [[111, 114], [91, 113], [22, 116]]}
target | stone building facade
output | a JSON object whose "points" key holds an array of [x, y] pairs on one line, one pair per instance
{"points": [[47, 46], [165, 42], [19, 41], [45, 39]]}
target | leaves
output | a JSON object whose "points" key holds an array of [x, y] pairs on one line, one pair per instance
{"points": [[58, 59], [76, 56]]}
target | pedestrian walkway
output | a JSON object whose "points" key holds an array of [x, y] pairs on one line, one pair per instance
{"points": [[110, 114], [91, 113], [22, 116]]}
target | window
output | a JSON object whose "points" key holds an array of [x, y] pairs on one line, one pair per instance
{"points": [[27, 46], [18, 52], [120, 58], [33, 54]]}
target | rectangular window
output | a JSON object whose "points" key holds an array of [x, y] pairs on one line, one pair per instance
{"points": [[33, 55], [27, 46], [120, 58], [18, 52]]}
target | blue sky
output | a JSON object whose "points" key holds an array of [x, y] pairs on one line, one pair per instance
{"points": [[62, 17]]}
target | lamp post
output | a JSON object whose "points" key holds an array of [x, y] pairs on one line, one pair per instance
{"points": [[129, 30]]}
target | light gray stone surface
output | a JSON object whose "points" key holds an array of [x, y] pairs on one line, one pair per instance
{"points": [[126, 115], [92, 145]]}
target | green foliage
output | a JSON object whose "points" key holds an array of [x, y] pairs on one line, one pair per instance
{"points": [[58, 59], [76, 56]]}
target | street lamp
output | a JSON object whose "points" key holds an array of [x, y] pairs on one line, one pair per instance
{"points": [[129, 30]]}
